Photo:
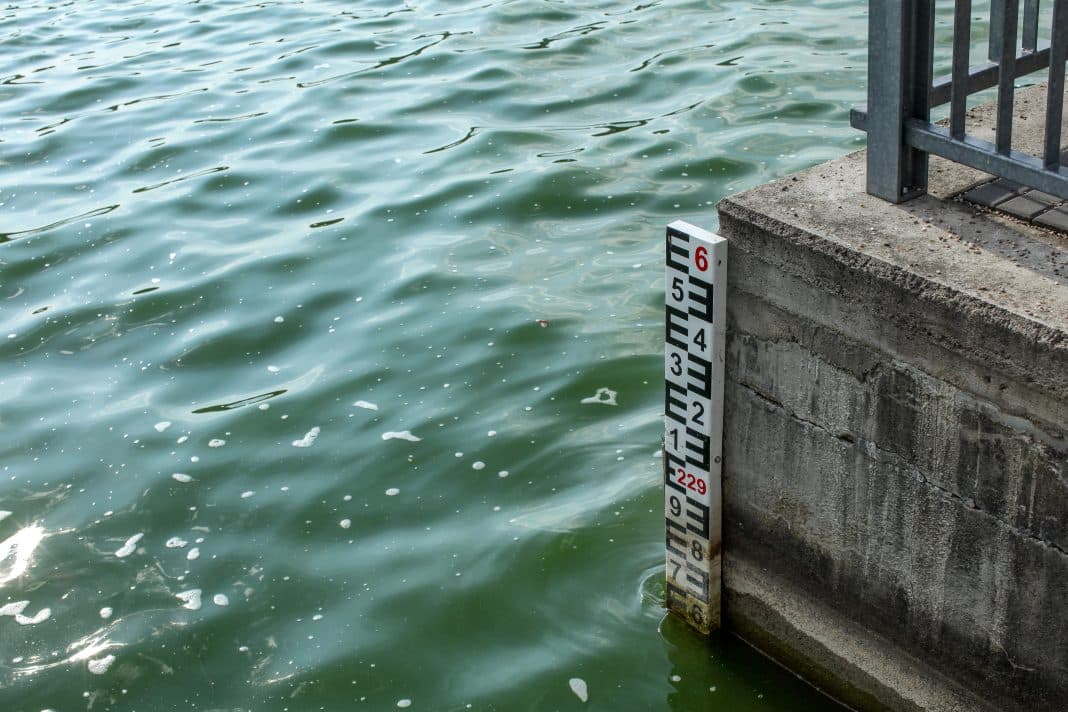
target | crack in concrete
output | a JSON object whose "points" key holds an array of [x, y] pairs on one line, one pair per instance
{"points": [[873, 450]]}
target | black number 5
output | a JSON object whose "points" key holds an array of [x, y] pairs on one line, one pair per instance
{"points": [[676, 289]]}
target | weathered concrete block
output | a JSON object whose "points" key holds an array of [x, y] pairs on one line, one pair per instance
{"points": [[896, 442]]}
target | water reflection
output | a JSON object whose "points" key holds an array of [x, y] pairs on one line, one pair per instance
{"points": [[91, 649], [16, 552]]}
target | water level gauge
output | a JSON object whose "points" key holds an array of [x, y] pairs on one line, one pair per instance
{"points": [[695, 329]]}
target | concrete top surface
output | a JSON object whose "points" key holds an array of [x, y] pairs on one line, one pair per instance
{"points": [[1010, 271]]}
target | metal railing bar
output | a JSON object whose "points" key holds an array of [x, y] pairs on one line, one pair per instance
{"points": [[997, 30], [958, 102], [976, 153], [1055, 89], [1030, 26], [858, 117], [984, 76], [923, 70], [887, 88], [1009, 11]]}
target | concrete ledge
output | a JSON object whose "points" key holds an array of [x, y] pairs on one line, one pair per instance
{"points": [[896, 442], [856, 665]]}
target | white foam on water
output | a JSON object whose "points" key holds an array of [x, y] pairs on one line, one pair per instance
{"points": [[190, 599], [4, 514], [216, 442], [308, 439], [101, 665], [220, 599], [392, 492], [14, 608], [366, 405], [578, 686], [41, 616], [479, 465], [162, 425], [345, 523], [401, 435], [175, 542], [130, 546], [247, 494], [106, 612], [193, 554], [604, 396]]}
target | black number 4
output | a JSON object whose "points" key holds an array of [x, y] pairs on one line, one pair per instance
{"points": [[699, 339]]}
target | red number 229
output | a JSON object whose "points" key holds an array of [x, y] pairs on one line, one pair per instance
{"points": [[691, 481]]}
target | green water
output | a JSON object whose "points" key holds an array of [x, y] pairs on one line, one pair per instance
{"points": [[227, 227]]}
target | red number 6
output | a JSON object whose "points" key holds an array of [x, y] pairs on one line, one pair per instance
{"points": [[701, 258]]}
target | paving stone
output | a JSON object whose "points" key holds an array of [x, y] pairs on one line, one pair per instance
{"points": [[990, 194], [1023, 207], [1043, 197], [1056, 219]]}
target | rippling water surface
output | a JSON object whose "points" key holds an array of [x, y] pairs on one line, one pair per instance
{"points": [[302, 307]]}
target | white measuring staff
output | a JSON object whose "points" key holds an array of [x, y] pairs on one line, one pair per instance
{"points": [[694, 334]]}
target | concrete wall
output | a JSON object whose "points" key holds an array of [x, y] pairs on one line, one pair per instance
{"points": [[896, 445]]}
